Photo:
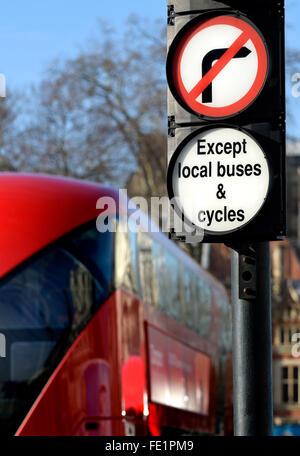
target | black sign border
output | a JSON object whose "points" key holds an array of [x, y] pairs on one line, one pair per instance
{"points": [[267, 226]]}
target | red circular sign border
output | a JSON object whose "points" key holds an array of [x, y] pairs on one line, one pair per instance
{"points": [[253, 92]]}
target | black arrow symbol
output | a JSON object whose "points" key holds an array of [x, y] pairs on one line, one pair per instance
{"points": [[207, 62]]}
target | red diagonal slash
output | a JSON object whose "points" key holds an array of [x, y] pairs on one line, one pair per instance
{"points": [[218, 66]]}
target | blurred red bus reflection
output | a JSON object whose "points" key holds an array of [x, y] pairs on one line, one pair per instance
{"points": [[107, 333]]}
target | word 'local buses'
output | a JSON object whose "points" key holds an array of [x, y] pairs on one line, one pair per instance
{"points": [[106, 333]]}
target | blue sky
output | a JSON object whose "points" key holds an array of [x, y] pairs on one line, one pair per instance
{"points": [[34, 32]]}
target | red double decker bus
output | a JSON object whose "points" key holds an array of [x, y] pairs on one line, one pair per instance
{"points": [[112, 333]]}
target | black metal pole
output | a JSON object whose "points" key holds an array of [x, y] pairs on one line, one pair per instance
{"points": [[252, 344]]}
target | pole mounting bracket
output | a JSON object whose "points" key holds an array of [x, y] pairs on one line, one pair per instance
{"points": [[247, 271]]}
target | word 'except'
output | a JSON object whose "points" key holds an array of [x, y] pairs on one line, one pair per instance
{"points": [[234, 148]]}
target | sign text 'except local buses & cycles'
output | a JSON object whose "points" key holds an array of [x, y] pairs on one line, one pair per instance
{"points": [[220, 179]]}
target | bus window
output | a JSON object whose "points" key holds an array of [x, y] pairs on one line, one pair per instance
{"points": [[190, 299], [203, 308], [197, 303], [125, 258], [167, 268], [147, 271], [43, 307]]}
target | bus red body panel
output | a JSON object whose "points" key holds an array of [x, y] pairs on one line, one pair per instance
{"points": [[99, 402], [38, 209]]}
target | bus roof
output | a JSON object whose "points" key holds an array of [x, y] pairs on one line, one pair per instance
{"points": [[38, 209]]}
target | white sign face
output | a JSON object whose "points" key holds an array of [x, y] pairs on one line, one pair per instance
{"points": [[220, 180], [220, 66]]}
